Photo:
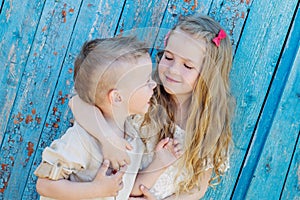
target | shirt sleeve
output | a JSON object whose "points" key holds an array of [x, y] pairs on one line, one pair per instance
{"points": [[63, 157], [148, 135], [135, 156]]}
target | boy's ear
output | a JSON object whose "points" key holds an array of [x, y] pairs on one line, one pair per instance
{"points": [[114, 96]]}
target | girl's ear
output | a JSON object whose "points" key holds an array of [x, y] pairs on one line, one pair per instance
{"points": [[114, 96]]}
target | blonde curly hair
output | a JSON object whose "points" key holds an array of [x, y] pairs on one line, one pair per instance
{"points": [[208, 131]]}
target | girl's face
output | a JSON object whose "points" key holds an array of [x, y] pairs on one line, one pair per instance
{"points": [[181, 63]]}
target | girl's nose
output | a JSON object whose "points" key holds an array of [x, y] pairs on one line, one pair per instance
{"points": [[174, 68]]}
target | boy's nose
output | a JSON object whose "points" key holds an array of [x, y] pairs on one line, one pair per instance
{"points": [[152, 84]]}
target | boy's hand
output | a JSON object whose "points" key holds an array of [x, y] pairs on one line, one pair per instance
{"points": [[108, 185], [114, 150]]}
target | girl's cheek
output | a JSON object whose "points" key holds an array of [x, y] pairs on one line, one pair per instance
{"points": [[160, 68], [163, 62], [194, 82], [163, 66]]}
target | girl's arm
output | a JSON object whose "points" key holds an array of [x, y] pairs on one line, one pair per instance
{"points": [[90, 118], [195, 194], [101, 186], [164, 156]]}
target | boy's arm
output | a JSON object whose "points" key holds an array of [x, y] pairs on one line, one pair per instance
{"points": [[90, 118], [101, 186]]}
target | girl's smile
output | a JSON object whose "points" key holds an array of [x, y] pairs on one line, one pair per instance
{"points": [[169, 79]]}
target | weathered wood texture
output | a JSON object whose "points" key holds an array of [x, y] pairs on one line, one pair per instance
{"points": [[255, 64], [17, 33], [40, 39], [271, 147]]}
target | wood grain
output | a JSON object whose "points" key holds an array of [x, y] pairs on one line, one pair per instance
{"points": [[254, 65], [35, 92], [39, 41], [16, 36]]}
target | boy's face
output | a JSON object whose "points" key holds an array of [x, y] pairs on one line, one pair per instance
{"points": [[136, 85]]}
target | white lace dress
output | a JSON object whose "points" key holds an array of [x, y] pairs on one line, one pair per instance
{"points": [[165, 185]]}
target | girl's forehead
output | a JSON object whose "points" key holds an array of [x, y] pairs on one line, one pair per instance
{"points": [[185, 46]]}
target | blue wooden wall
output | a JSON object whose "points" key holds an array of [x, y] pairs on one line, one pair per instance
{"points": [[40, 38]]}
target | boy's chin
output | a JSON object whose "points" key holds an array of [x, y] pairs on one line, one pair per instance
{"points": [[144, 111], [140, 111]]}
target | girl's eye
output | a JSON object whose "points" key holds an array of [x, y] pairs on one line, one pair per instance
{"points": [[187, 66], [168, 57]]}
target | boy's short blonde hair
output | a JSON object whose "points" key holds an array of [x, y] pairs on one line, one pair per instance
{"points": [[101, 63]]}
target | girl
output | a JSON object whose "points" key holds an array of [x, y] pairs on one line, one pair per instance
{"points": [[193, 88], [193, 74]]}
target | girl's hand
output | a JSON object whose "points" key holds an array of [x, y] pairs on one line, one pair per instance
{"points": [[172, 145], [147, 195], [162, 144], [177, 148], [166, 152], [108, 185]]}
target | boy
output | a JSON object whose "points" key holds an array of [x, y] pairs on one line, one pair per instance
{"points": [[114, 75]]}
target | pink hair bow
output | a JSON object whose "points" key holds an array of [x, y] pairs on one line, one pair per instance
{"points": [[221, 35]]}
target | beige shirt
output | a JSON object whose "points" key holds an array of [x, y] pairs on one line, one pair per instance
{"points": [[77, 156]]}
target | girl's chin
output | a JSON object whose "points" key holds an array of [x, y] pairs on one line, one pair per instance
{"points": [[169, 90]]}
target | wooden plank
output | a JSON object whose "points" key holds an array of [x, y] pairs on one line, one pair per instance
{"points": [[292, 185], [275, 158], [1, 5], [16, 36], [174, 10], [232, 16], [35, 93], [19, 138], [96, 19], [254, 64], [266, 119], [142, 18]]}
